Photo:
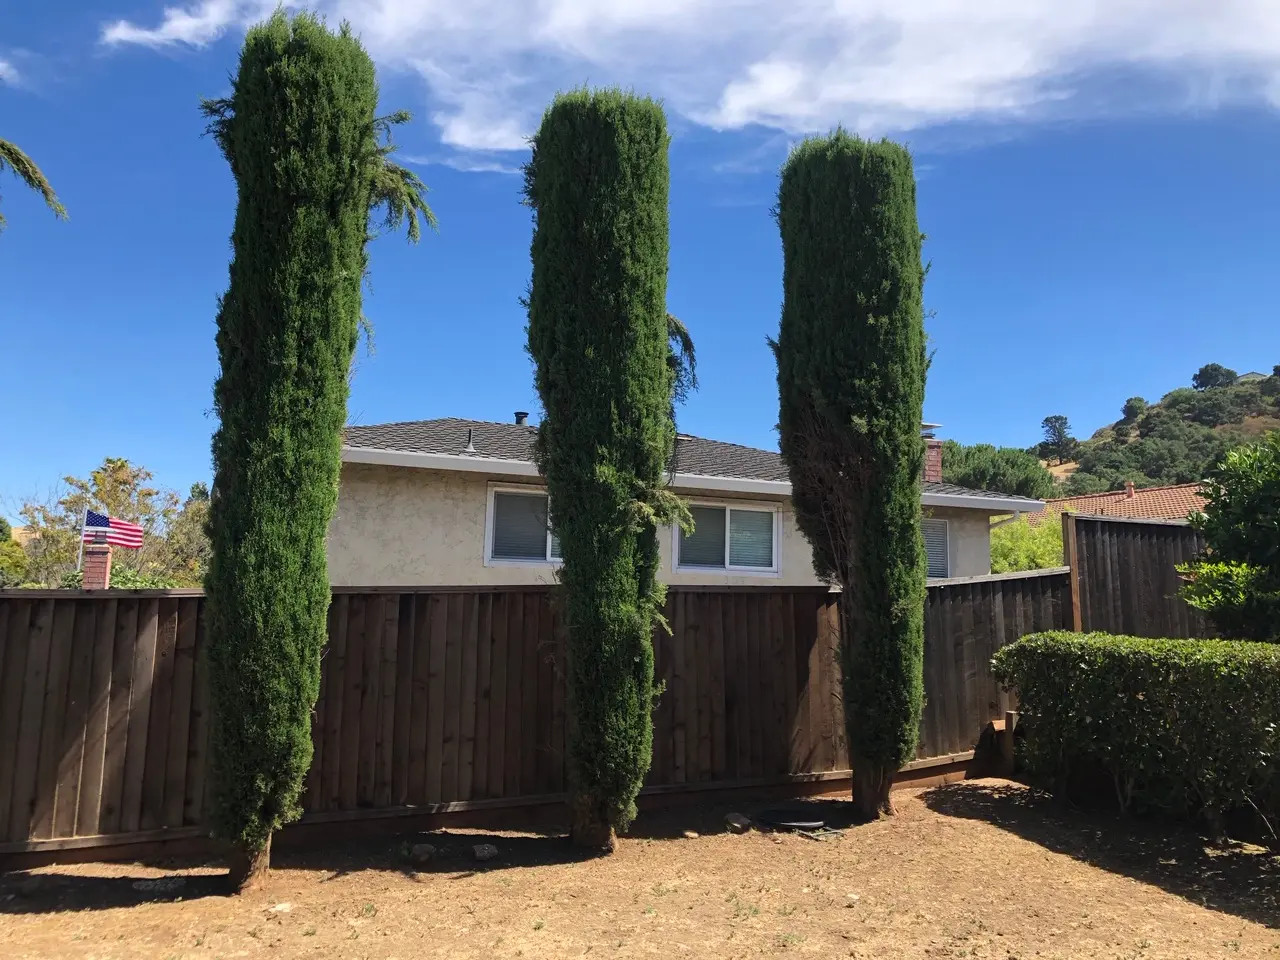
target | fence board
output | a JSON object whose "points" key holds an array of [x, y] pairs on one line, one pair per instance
{"points": [[75, 720], [160, 723], [184, 662], [27, 743], [45, 790]]}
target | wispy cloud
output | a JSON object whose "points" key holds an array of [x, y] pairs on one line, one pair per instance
{"points": [[795, 66], [9, 73], [466, 163]]}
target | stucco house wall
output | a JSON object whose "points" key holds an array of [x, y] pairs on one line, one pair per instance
{"points": [[405, 526]]}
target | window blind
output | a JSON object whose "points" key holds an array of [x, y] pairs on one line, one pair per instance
{"points": [[705, 546], [519, 526], [935, 547], [751, 538]]}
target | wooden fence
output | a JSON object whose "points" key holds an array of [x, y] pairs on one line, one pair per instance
{"points": [[1125, 577], [437, 698]]}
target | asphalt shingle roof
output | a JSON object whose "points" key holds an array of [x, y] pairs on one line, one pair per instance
{"points": [[697, 456]]}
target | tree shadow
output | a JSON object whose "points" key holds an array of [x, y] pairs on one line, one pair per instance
{"points": [[63, 893], [1237, 878]]}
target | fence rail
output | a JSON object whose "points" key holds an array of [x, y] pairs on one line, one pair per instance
{"points": [[440, 695]]}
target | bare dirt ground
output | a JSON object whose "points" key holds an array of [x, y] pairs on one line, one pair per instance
{"points": [[975, 869]]}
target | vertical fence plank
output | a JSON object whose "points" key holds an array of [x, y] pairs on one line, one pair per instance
{"points": [[27, 746], [454, 640], [199, 775], [49, 733], [435, 697], [135, 758], [479, 785], [716, 682], [352, 695], [418, 710], [498, 658], [89, 807], [75, 720], [708, 614], [335, 707], [401, 724], [533, 697], [468, 703], [160, 722], [515, 708], [678, 689], [16, 615], [387, 687], [370, 702], [184, 657]]}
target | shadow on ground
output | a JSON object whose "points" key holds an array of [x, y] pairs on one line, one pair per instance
{"points": [[57, 889], [1235, 878]]}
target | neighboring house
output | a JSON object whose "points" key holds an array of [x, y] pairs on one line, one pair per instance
{"points": [[1253, 376], [460, 502], [1175, 502]]}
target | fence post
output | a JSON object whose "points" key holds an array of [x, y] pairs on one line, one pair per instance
{"points": [[1072, 557]]}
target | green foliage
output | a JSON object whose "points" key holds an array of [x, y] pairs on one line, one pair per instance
{"points": [[851, 370], [174, 544], [13, 564], [1017, 545], [25, 169], [1001, 469], [599, 335], [1058, 444], [1134, 407], [124, 579], [1182, 726], [1237, 582], [306, 149], [1213, 375], [6, 531]]}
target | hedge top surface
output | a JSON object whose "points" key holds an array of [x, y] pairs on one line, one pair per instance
{"points": [[1187, 651]]}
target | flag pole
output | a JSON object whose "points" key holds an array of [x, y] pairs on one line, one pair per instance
{"points": [[84, 522]]}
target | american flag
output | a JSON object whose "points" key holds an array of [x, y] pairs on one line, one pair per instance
{"points": [[99, 528]]}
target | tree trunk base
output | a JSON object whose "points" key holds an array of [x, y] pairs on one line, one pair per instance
{"points": [[871, 797], [590, 831], [248, 869]]}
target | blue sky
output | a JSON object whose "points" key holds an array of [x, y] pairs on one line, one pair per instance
{"points": [[1098, 188]]}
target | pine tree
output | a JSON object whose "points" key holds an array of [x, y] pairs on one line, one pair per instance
{"points": [[598, 333], [851, 369], [300, 134]]}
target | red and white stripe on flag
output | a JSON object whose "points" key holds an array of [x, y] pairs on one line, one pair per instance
{"points": [[99, 528]]}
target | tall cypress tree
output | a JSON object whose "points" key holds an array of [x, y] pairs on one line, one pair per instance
{"points": [[598, 333], [851, 370], [300, 134]]}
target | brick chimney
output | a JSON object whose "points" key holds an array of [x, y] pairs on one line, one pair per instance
{"points": [[97, 566], [1128, 489], [932, 460]]}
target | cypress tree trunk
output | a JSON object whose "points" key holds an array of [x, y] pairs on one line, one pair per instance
{"points": [[297, 131], [851, 369], [598, 185]]}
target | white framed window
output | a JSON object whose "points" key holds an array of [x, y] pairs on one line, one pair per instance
{"points": [[518, 529], [937, 547], [736, 538]]}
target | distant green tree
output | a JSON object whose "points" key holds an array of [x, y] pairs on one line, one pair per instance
{"points": [[6, 531], [1001, 469], [851, 370], [25, 169], [310, 161], [1058, 443], [1237, 581], [1134, 407], [1213, 375], [13, 564], [609, 361]]}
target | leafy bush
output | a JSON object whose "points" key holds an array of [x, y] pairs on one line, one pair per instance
{"points": [[122, 578], [1213, 375], [1018, 545], [13, 563], [1237, 581], [1185, 727]]}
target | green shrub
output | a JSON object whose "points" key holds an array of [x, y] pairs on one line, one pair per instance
{"points": [[1184, 727], [13, 563], [122, 578], [1018, 545]]}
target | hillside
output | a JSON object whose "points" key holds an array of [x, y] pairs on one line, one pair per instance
{"points": [[1176, 439]]}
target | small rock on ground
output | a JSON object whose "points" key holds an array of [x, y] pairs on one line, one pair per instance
{"points": [[691, 834], [484, 851], [737, 823]]}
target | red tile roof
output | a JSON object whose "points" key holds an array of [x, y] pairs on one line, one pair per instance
{"points": [[1168, 503]]}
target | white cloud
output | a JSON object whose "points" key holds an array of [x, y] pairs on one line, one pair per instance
{"points": [[875, 66], [9, 73], [466, 162]]}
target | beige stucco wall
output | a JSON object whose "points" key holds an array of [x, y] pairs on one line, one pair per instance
{"points": [[403, 526]]}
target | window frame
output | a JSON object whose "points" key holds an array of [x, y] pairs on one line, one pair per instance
{"points": [[491, 529], [775, 568], [946, 524]]}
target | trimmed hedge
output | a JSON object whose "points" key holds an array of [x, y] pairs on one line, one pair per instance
{"points": [[1185, 727]]}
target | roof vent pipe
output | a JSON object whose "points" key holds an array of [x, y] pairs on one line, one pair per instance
{"points": [[522, 418], [470, 447]]}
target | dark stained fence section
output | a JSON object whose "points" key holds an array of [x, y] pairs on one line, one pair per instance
{"points": [[432, 696], [1128, 579], [966, 622]]}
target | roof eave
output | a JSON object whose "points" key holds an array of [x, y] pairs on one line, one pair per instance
{"points": [[689, 481]]}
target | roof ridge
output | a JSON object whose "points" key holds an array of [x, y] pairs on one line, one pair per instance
{"points": [[1124, 493], [410, 423], [727, 443]]}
